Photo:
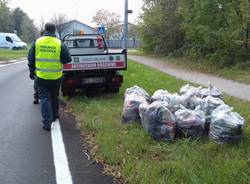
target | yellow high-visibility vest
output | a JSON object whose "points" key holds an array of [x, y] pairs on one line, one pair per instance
{"points": [[48, 51]]}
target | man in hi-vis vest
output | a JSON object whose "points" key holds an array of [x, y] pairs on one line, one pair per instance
{"points": [[46, 56]]}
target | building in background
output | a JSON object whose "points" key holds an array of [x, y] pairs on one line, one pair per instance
{"points": [[74, 26], [114, 36]]}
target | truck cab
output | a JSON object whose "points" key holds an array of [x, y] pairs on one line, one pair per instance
{"points": [[93, 67], [88, 44]]}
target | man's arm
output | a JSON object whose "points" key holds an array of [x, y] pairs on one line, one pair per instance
{"points": [[65, 55], [31, 60]]}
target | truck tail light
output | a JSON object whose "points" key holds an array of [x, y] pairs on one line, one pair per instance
{"points": [[70, 82], [100, 42], [117, 79]]}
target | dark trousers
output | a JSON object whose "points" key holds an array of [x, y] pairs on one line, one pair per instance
{"points": [[35, 88], [48, 95]]}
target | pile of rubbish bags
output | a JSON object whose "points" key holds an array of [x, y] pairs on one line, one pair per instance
{"points": [[193, 112]]}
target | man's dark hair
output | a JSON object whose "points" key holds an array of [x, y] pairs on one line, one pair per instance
{"points": [[50, 27]]}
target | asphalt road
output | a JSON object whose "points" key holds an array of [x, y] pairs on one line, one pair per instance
{"points": [[26, 154], [232, 88]]}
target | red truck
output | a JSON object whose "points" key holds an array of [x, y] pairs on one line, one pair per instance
{"points": [[92, 68]]}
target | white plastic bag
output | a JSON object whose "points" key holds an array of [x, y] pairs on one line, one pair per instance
{"points": [[190, 123], [138, 91], [134, 97], [208, 105], [184, 89], [211, 91], [131, 105], [190, 99], [175, 101], [160, 122], [161, 95], [142, 112], [226, 126]]}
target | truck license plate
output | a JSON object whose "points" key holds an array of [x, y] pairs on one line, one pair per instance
{"points": [[93, 80]]}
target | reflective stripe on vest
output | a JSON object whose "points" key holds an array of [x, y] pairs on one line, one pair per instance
{"points": [[47, 60], [48, 51], [48, 70]]}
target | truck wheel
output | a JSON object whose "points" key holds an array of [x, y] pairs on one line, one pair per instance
{"points": [[115, 90], [68, 92], [112, 90]]}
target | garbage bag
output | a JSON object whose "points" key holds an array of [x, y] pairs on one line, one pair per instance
{"points": [[211, 91], [175, 101], [190, 99], [160, 122], [208, 105], [142, 111], [190, 123], [187, 88], [138, 91], [131, 105], [226, 126], [161, 95]]}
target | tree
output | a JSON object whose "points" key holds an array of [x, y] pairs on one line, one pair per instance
{"points": [[6, 23], [18, 15], [217, 30], [160, 28], [16, 20], [133, 31], [28, 30], [108, 19], [41, 25], [59, 20], [4, 1]]}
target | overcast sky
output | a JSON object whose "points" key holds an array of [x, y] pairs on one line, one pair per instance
{"points": [[82, 10]]}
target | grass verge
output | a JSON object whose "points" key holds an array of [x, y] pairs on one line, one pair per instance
{"points": [[237, 73], [6, 54], [134, 155]]}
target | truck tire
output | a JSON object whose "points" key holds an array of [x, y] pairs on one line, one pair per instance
{"points": [[115, 90], [112, 90], [67, 92]]}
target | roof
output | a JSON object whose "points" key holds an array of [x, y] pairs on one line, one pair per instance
{"points": [[122, 24], [77, 22], [87, 36], [1, 33]]}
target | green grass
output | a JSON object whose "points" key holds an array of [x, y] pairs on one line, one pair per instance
{"points": [[136, 52], [6, 54], [237, 73], [140, 159]]}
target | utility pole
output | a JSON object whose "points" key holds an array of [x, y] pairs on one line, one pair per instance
{"points": [[125, 29]]}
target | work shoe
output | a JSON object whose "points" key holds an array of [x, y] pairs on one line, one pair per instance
{"points": [[46, 128], [36, 100], [55, 118]]}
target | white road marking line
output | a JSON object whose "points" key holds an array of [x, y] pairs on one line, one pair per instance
{"points": [[63, 175], [12, 63]]}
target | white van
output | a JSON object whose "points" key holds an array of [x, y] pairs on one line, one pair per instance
{"points": [[11, 41]]}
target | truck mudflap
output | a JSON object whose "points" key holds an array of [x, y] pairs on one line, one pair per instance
{"points": [[105, 61]]}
